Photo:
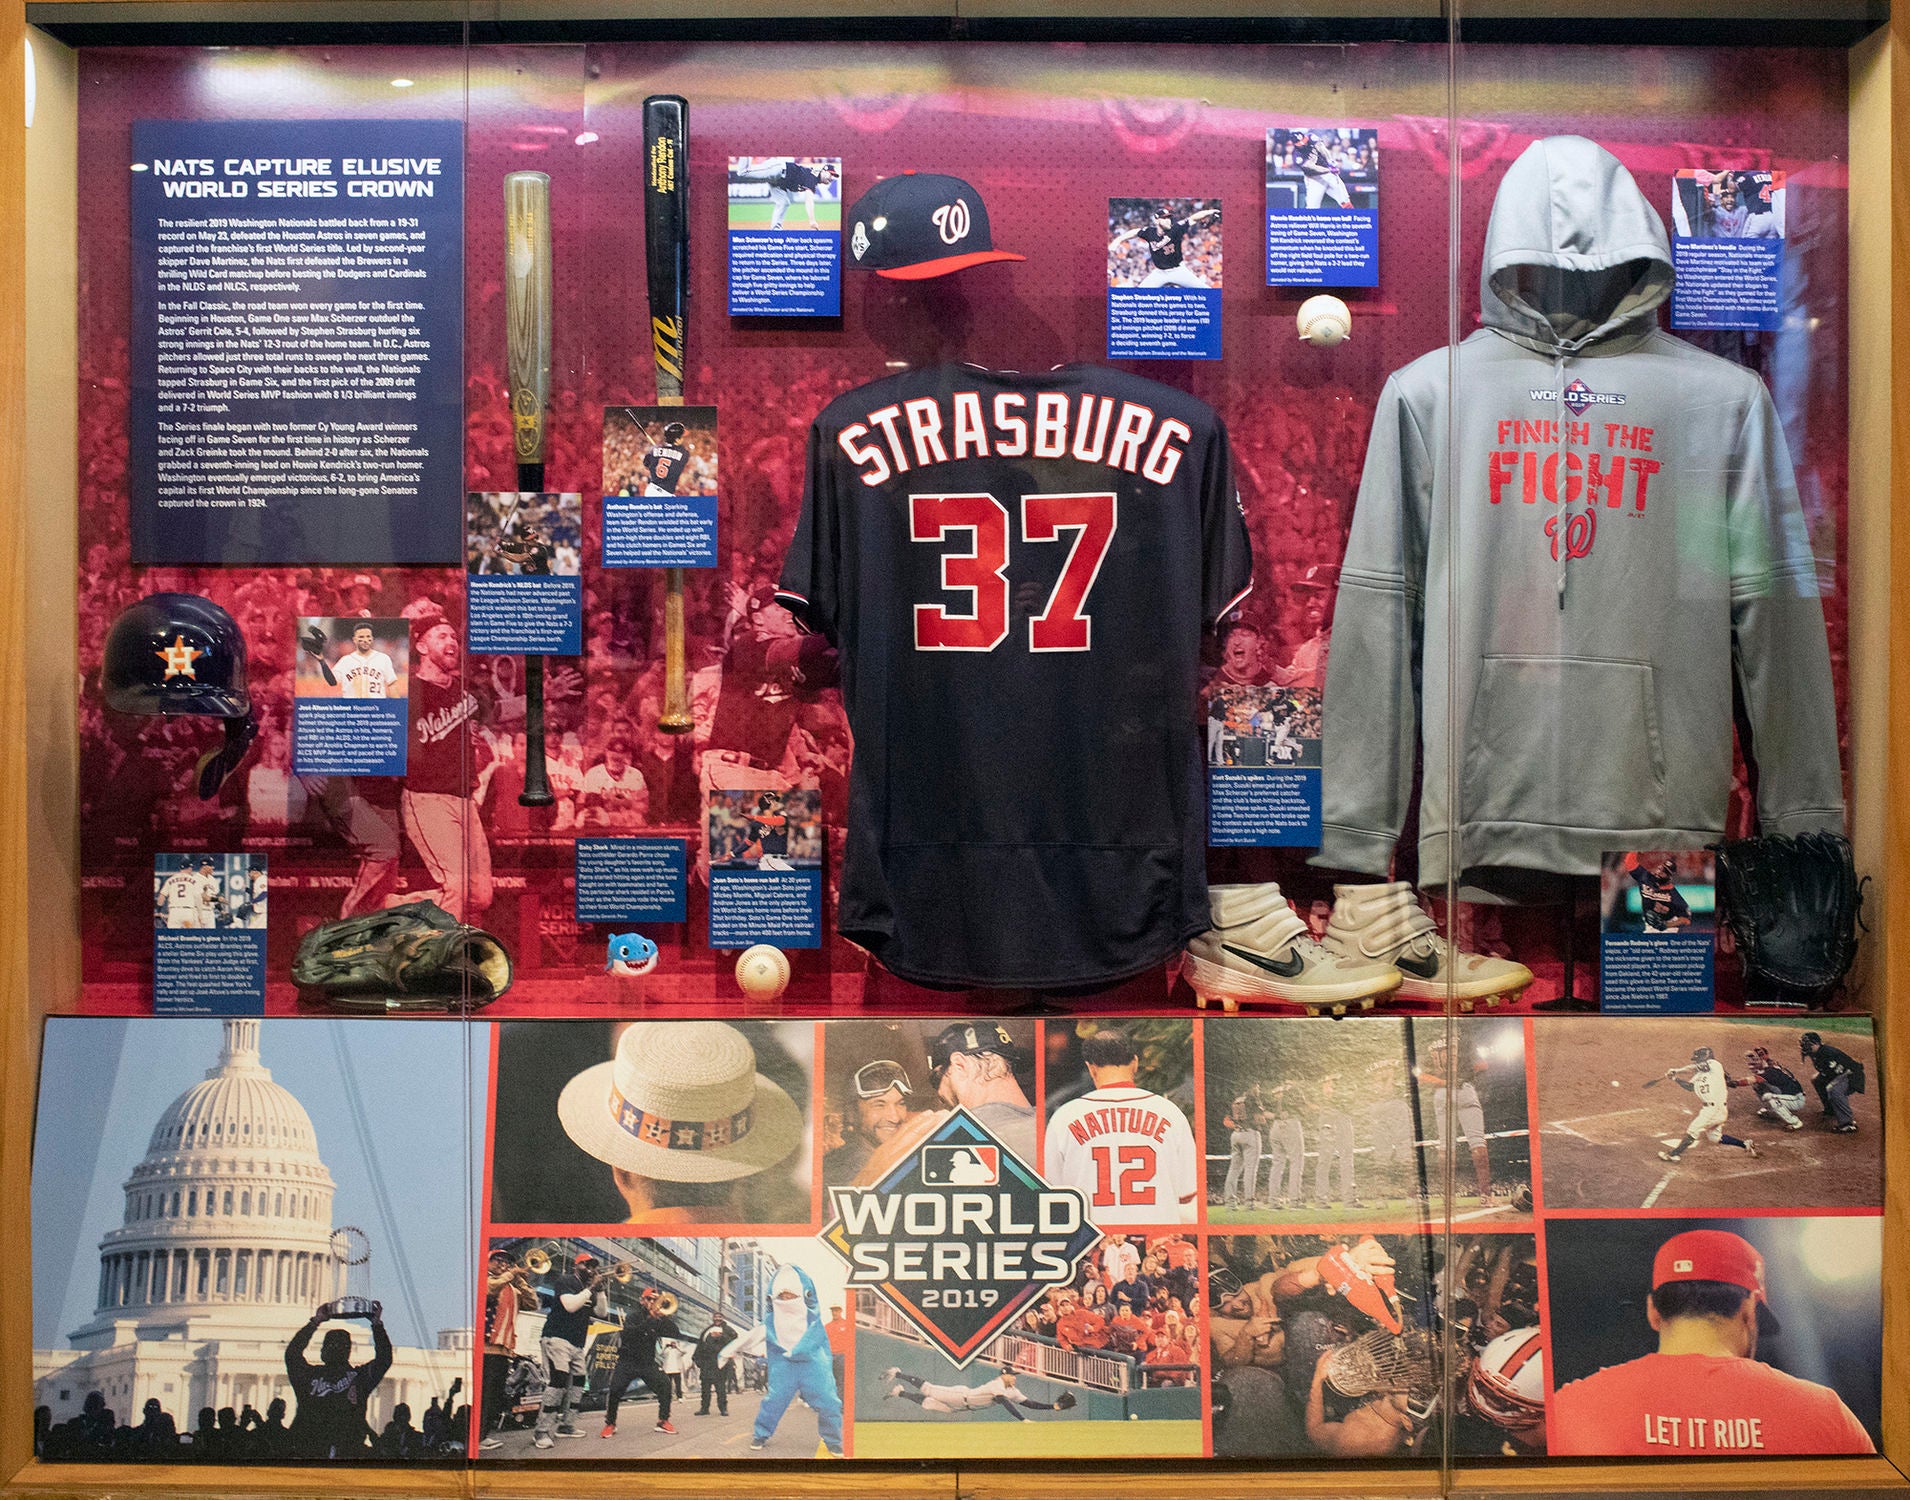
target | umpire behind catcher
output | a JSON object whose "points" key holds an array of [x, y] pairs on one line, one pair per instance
{"points": [[1838, 1076]]}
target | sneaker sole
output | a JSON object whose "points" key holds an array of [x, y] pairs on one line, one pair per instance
{"points": [[1232, 988]]}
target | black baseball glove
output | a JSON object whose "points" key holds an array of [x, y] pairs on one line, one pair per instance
{"points": [[1065, 1401], [1795, 906], [414, 957]]}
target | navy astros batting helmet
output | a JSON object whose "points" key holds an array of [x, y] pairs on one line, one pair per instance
{"points": [[176, 654], [1701, 1054], [183, 654]]}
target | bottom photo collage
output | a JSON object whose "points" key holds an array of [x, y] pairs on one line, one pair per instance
{"points": [[377, 1241]]}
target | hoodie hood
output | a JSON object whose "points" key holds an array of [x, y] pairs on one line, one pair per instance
{"points": [[1575, 255], [789, 1322]]}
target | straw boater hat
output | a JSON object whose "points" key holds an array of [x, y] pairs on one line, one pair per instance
{"points": [[681, 1102]]}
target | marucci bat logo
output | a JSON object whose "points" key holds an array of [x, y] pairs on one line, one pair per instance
{"points": [[666, 339]]}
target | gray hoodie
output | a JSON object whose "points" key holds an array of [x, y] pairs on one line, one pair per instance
{"points": [[1569, 570]]}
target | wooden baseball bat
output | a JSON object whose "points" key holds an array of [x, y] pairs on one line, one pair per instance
{"points": [[666, 234], [527, 319]]}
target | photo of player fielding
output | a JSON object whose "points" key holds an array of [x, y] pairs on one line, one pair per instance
{"points": [[659, 452], [1119, 1101], [1706, 1112], [1107, 1365], [662, 1349], [1332, 1344], [1706, 1338]]}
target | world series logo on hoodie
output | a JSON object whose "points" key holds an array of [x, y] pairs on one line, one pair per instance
{"points": [[961, 1236]]}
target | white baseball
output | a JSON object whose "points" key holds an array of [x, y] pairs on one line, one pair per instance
{"points": [[1324, 321], [762, 972]]}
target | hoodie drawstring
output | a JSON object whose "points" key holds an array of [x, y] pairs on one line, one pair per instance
{"points": [[1559, 549]]}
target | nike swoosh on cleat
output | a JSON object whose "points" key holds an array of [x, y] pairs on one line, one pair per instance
{"points": [[1420, 968], [1291, 967]]}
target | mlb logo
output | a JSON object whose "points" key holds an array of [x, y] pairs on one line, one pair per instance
{"points": [[1681, 1267], [1577, 397], [961, 1166]]}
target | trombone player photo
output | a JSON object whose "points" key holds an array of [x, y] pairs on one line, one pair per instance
{"points": [[644, 1326]]}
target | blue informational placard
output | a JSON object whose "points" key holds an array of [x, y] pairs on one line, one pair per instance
{"points": [[1336, 247], [632, 880], [296, 344], [216, 972], [349, 736], [516, 615], [785, 275], [779, 907], [1656, 973], [652, 531], [1273, 807], [1727, 283], [1163, 322]]}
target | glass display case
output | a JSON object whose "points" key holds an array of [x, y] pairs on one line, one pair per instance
{"points": [[996, 753]]}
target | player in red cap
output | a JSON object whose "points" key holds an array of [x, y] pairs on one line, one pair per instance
{"points": [[1705, 1391]]}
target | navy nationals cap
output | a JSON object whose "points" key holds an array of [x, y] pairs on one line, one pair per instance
{"points": [[921, 224]]}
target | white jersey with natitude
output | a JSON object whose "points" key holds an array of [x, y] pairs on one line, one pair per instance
{"points": [[1130, 1151]]}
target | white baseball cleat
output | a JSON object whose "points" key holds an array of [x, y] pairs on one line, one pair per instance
{"points": [[891, 1372], [1752, 1151], [1668, 1156], [1258, 950], [1386, 924]]}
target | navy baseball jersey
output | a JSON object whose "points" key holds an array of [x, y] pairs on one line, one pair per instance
{"points": [[1017, 571], [1314, 159], [665, 464], [1164, 245]]}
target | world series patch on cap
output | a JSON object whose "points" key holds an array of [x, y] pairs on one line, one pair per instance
{"points": [[921, 224]]}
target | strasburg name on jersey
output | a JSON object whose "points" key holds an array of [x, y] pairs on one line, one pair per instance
{"points": [[1018, 571], [948, 427]]}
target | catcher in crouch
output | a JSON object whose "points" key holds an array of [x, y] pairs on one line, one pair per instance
{"points": [[1001, 1391]]}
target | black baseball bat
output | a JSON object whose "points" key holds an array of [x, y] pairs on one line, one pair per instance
{"points": [[666, 235], [527, 319]]}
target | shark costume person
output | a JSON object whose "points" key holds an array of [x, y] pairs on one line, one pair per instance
{"points": [[795, 1340]]}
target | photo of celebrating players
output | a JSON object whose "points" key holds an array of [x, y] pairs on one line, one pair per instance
{"points": [[765, 829], [1656, 891], [763, 190], [1119, 1099], [888, 1084], [520, 535], [1704, 1338], [1262, 725], [1119, 1343], [1668, 1112], [663, 1348], [1333, 1344], [352, 657], [209, 891], [1164, 242], [1323, 166], [659, 452], [1729, 203]]}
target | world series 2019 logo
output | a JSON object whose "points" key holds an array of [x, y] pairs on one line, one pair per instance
{"points": [[960, 1237]]}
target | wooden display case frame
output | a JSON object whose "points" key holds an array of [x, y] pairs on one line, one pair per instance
{"points": [[39, 929]]}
